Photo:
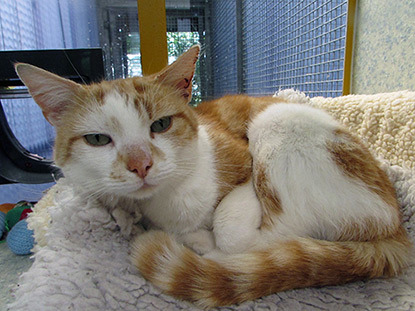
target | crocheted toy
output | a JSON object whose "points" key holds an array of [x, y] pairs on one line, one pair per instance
{"points": [[19, 238]]}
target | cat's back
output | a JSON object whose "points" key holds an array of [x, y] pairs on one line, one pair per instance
{"points": [[323, 175], [293, 126], [232, 113]]}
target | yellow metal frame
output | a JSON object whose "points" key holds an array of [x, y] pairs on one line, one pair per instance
{"points": [[153, 35], [348, 53]]}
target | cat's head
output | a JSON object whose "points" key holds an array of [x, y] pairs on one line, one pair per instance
{"points": [[127, 137]]}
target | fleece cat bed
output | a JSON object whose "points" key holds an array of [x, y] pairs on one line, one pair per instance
{"points": [[81, 260]]}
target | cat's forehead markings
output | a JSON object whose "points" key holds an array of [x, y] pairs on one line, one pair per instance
{"points": [[113, 99], [141, 104], [147, 106], [131, 93], [115, 123], [121, 116], [117, 105]]}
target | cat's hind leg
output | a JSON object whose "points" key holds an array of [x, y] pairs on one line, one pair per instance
{"points": [[201, 241], [236, 224], [237, 219]]}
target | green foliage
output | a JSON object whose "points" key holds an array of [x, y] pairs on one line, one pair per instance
{"points": [[179, 42]]}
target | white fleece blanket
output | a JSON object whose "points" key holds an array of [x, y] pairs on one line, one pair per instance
{"points": [[85, 266]]}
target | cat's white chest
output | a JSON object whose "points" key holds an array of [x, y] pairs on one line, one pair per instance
{"points": [[188, 204]]}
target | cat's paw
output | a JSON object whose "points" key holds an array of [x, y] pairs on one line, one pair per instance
{"points": [[215, 255], [137, 229], [127, 222], [201, 241]]}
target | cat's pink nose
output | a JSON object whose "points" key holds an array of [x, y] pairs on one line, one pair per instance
{"points": [[140, 166]]}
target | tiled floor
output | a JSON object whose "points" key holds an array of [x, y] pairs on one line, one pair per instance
{"points": [[11, 267]]}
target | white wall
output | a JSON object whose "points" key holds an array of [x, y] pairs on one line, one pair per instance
{"points": [[384, 48]]}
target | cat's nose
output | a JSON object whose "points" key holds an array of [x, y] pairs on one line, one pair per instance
{"points": [[140, 166]]}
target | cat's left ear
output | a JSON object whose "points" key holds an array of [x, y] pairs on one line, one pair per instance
{"points": [[52, 93], [180, 73]]}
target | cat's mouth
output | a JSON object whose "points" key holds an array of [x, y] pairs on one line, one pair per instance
{"points": [[147, 186], [142, 190]]}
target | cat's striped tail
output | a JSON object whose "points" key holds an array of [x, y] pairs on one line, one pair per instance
{"points": [[302, 262]]}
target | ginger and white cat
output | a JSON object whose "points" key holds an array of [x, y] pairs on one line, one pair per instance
{"points": [[275, 195]]}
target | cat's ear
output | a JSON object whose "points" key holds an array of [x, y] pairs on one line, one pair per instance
{"points": [[180, 73], [52, 93]]}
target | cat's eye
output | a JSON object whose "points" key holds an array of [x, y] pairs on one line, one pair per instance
{"points": [[161, 125], [97, 139]]}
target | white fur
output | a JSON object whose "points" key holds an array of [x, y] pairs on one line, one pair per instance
{"points": [[201, 241], [91, 167], [317, 198], [237, 219], [187, 204]]}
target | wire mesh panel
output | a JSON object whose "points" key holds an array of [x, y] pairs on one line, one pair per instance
{"points": [[185, 28], [224, 52], [294, 44]]}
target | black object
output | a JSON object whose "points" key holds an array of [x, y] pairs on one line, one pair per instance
{"points": [[18, 165]]}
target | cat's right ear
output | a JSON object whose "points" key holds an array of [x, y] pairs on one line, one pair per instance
{"points": [[180, 73], [52, 93]]}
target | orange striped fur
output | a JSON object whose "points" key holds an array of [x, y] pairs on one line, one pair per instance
{"points": [[297, 263]]}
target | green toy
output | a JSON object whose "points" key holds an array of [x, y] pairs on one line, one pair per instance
{"points": [[17, 213]]}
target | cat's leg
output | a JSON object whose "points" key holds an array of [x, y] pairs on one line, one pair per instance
{"points": [[137, 227], [237, 220], [128, 221], [201, 241], [123, 220], [236, 224], [287, 143]]}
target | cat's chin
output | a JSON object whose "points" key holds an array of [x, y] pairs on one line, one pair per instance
{"points": [[146, 186], [144, 192]]}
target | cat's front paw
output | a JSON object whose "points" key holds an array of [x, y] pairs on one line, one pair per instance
{"points": [[127, 222], [201, 241], [137, 229]]}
